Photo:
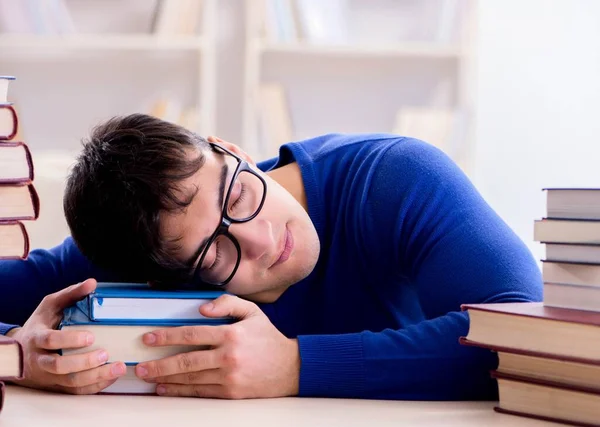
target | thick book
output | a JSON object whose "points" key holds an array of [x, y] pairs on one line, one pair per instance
{"points": [[19, 202], [11, 358], [531, 326], [9, 122], [123, 339], [16, 165], [140, 302], [14, 240], [577, 297], [571, 273], [547, 400], [557, 369], [566, 231], [567, 252], [573, 203]]}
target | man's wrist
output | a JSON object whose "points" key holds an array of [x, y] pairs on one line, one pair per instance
{"points": [[13, 331], [294, 368]]}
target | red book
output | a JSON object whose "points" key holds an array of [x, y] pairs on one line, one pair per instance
{"points": [[16, 164], [19, 202], [547, 400], [1, 395], [531, 326], [9, 123], [14, 240], [11, 362]]}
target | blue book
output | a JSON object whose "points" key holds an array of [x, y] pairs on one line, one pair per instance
{"points": [[122, 340], [138, 302]]}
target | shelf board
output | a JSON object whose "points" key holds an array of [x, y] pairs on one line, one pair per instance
{"points": [[117, 42], [416, 49]]}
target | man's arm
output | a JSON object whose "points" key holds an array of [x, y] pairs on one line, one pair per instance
{"points": [[454, 249], [24, 283], [443, 237]]}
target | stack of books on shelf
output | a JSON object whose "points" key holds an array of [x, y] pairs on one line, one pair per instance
{"points": [[119, 314], [549, 352], [18, 202]]}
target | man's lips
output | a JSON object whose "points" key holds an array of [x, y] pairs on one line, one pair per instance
{"points": [[288, 246]]}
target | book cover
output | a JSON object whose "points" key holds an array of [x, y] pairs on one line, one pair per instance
{"points": [[1, 395], [128, 302]]}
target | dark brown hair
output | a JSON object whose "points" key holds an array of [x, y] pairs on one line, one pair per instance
{"points": [[126, 175]]}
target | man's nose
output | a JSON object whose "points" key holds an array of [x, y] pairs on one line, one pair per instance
{"points": [[255, 238]]}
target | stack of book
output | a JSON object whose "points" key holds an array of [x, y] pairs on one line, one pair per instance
{"points": [[18, 197], [549, 352], [18, 202], [119, 314]]}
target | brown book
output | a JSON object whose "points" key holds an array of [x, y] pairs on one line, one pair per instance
{"points": [[16, 164], [11, 359], [9, 124], [547, 400], [531, 326], [14, 240], [19, 202]]}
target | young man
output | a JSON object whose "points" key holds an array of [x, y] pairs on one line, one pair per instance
{"points": [[351, 254]]}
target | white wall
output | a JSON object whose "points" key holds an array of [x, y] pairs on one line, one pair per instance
{"points": [[538, 93]]}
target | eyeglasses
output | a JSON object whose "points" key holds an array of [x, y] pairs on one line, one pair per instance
{"points": [[221, 256]]}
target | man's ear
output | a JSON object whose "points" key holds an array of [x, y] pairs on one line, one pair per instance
{"points": [[231, 147]]}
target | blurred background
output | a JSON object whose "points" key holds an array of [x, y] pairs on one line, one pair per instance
{"points": [[509, 89]]}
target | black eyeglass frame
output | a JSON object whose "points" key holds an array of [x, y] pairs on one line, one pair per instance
{"points": [[226, 220]]}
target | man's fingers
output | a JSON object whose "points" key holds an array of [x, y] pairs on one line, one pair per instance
{"points": [[230, 306], [102, 374], [178, 364], [60, 365], [211, 376], [68, 296], [186, 335], [208, 390], [90, 389], [50, 339]]}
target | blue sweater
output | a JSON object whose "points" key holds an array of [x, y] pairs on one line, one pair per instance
{"points": [[405, 240]]}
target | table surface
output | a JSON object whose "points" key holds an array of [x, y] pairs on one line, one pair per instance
{"points": [[25, 407]]}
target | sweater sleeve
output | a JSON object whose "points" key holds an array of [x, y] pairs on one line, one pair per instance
{"points": [[24, 283], [432, 228]]}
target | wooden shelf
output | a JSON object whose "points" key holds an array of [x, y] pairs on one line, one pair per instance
{"points": [[427, 50], [115, 42]]}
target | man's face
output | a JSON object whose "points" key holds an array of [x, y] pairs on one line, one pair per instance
{"points": [[263, 275]]}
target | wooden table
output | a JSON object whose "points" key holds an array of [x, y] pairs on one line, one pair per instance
{"points": [[25, 408]]}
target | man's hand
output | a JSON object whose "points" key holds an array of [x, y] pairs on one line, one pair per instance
{"points": [[247, 359], [44, 368]]}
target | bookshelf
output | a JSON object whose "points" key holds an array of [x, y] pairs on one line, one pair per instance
{"points": [[87, 60], [374, 72]]}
